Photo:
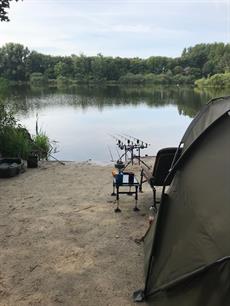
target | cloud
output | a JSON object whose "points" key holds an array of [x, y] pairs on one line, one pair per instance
{"points": [[117, 28]]}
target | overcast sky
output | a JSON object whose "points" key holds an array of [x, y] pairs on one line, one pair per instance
{"points": [[116, 28]]}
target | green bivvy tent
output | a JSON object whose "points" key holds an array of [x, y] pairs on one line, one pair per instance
{"points": [[187, 249]]}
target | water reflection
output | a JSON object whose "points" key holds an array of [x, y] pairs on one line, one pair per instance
{"points": [[187, 99], [82, 117]]}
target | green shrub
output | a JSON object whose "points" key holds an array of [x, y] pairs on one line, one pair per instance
{"points": [[217, 80], [131, 78], [150, 78], [14, 142], [201, 82], [62, 81], [183, 79], [37, 78], [42, 145], [4, 84]]}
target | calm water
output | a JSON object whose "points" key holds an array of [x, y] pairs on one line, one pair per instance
{"points": [[82, 119]]}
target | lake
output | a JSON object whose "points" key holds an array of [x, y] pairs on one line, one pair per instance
{"points": [[85, 120]]}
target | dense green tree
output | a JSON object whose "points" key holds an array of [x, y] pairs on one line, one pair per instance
{"points": [[64, 68], [208, 68], [17, 63], [13, 59], [98, 66], [37, 62], [137, 66], [157, 64], [195, 56], [178, 70], [82, 67], [224, 63]]}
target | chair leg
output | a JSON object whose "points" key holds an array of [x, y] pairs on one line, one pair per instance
{"points": [[117, 209], [154, 198], [113, 193], [136, 198], [141, 181]]}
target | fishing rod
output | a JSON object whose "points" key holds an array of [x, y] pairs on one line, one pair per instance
{"points": [[138, 140], [119, 156], [48, 155], [129, 144], [138, 145], [111, 155], [128, 140], [43, 151], [61, 162], [117, 139], [119, 142]]}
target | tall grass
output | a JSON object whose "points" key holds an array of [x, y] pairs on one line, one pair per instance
{"points": [[13, 139], [42, 145], [16, 141]]}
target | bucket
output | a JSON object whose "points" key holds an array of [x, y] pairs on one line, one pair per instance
{"points": [[32, 161], [119, 179]]}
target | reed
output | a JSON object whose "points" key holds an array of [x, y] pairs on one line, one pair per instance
{"points": [[41, 144]]}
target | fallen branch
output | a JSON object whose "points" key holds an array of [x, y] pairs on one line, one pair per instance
{"points": [[84, 208]]}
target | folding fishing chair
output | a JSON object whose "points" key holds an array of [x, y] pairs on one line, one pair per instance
{"points": [[158, 175]]}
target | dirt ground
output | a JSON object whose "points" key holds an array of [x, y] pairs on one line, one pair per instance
{"points": [[61, 242]]}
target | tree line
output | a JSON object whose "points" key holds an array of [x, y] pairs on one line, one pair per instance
{"points": [[19, 64]]}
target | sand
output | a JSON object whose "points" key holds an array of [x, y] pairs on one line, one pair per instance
{"points": [[61, 241]]}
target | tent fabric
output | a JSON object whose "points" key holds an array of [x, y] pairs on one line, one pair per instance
{"points": [[211, 288], [192, 228], [207, 116]]}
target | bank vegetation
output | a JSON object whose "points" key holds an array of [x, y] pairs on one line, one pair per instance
{"points": [[203, 61]]}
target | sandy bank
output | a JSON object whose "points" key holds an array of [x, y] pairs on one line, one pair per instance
{"points": [[61, 242]]}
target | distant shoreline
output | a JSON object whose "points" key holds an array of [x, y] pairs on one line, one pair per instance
{"points": [[222, 83], [200, 62]]}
